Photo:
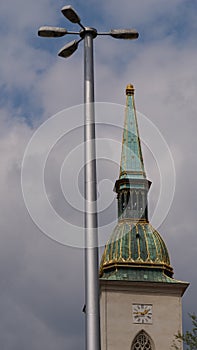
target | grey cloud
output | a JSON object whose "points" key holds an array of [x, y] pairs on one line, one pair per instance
{"points": [[42, 283]]}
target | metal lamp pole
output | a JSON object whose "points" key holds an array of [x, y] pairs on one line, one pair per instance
{"points": [[91, 227], [91, 233]]}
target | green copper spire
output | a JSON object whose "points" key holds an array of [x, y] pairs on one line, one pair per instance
{"points": [[131, 166], [135, 251], [132, 186]]}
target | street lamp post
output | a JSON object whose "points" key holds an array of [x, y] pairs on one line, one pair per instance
{"points": [[91, 227]]}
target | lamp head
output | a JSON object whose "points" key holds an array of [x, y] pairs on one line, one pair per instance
{"points": [[51, 32], [124, 34], [68, 49], [70, 14]]}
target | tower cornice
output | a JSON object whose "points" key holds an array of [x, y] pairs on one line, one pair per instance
{"points": [[126, 183]]}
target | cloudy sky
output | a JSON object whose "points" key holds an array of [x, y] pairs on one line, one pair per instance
{"points": [[42, 281]]}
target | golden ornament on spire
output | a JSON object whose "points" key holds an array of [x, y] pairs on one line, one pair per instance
{"points": [[130, 89]]}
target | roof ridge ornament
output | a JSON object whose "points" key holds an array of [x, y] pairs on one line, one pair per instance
{"points": [[130, 89]]}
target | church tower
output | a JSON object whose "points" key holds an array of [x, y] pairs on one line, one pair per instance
{"points": [[140, 303]]}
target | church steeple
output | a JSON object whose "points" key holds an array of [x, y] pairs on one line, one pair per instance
{"points": [[132, 185], [140, 301], [135, 250], [131, 165]]}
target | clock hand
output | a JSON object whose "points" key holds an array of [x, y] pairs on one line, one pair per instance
{"points": [[139, 313]]}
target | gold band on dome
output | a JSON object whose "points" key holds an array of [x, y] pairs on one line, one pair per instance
{"points": [[130, 90]]}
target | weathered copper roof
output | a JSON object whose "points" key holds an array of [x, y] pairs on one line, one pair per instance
{"points": [[135, 249], [131, 165]]}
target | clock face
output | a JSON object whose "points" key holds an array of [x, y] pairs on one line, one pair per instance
{"points": [[142, 313]]}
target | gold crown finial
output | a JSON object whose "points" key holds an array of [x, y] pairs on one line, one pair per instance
{"points": [[130, 89]]}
